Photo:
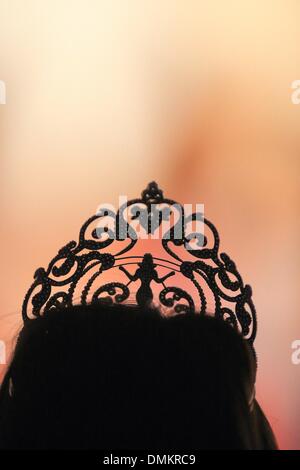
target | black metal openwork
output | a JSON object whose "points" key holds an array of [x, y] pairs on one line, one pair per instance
{"points": [[169, 274]]}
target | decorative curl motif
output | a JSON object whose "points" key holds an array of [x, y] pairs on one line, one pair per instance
{"points": [[205, 280]]}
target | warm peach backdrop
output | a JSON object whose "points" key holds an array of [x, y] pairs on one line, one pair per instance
{"points": [[104, 96]]}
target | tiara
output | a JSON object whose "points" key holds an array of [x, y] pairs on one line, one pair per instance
{"points": [[112, 263]]}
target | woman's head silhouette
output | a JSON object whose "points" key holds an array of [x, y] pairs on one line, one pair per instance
{"points": [[123, 377]]}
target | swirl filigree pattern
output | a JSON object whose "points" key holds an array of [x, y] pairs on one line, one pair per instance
{"points": [[94, 269]]}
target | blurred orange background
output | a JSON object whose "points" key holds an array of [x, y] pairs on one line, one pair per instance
{"points": [[105, 96]]}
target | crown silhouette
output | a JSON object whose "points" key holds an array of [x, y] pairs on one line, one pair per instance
{"points": [[168, 273]]}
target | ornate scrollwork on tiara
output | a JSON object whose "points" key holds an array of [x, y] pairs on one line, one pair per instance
{"points": [[171, 275]]}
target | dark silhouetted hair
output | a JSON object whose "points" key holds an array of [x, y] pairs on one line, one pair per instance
{"points": [[121, 377]]}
